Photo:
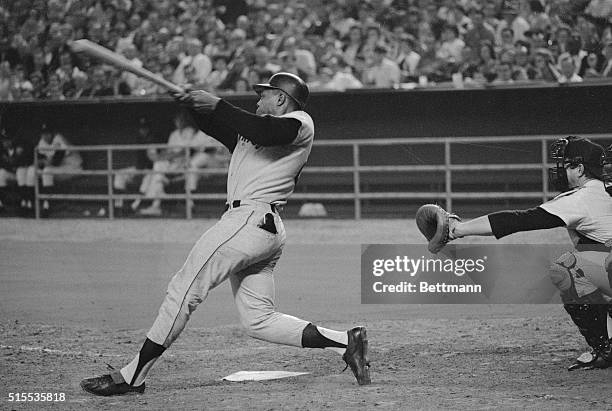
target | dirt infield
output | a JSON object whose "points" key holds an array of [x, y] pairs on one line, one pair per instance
{"points": [[77, 294]]}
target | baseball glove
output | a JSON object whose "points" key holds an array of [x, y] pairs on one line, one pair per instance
{"points": [[436, 224]]}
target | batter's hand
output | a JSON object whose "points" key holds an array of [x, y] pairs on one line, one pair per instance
{"points": [[199, 100]]}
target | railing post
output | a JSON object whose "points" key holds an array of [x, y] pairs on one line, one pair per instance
{"points": [[356, 181], [109, 181], [36, 189], [544, 171], [448, 191], [187, 188]]}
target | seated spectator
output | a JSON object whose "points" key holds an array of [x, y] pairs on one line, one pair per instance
{"points": [[543, 68], [503, 72], [353, 45], [144, 161], [606, 71], [55, 160], [16, 166], [195, 59], [450, 49], [567, 69], [479, 32], [6, 84], [590, 67], [383, 72], [219, 73], [203, 152], [408, 59]]}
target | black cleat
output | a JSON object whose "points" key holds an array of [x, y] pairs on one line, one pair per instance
{"points": [[591, 360], [110, 384], [356, 355]]}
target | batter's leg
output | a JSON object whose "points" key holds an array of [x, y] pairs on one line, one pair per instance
{"points": [[223, 250], [254, 291]]}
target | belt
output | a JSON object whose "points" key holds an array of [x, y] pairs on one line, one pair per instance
{"points": [[238, 203]]}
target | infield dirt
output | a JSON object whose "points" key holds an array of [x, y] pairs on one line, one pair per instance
{"points": [[78, 294]]}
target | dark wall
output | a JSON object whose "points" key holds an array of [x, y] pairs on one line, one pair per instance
{"points": [[355, 114]]}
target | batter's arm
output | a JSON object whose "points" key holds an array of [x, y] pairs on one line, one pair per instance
{"points": [[262, 130], [216, 129]]}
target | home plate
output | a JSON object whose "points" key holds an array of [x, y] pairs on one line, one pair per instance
{"points": [[261, 375]]}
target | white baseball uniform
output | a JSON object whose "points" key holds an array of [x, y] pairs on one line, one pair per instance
{"points": [[259, 179], [587, 213]]}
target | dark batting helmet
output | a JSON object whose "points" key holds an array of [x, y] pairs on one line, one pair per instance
{"points": [[290, 84]]}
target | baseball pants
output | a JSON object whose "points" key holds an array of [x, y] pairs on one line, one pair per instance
{"points": [[235, 248]]}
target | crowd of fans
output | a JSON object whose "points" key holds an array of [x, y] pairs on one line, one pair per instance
{"points": [[226, 45]]}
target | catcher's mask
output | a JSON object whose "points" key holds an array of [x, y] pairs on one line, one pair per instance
{"points": [[570, 152], [606, 162]]}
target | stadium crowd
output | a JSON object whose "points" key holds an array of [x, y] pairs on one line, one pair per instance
{"points": [[226, 45]]}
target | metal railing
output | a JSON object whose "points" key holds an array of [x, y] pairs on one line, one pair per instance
{"points": [[357, 195]]}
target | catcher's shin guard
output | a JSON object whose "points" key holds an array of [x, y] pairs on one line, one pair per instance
{"points": [[591, 320]]}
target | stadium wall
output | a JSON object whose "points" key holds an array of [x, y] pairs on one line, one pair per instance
{"points": [[353, 114]]}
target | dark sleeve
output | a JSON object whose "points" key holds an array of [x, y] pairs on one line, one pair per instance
{"points": [[504, 223], [58, 157], [262, 130], [214, 128]]}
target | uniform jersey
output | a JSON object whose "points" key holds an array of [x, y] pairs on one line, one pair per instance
{"points": [[48, 150], [586, 211], [269, 174]]}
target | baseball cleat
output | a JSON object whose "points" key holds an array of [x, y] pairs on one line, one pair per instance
{"points": [[591, 360], [110, 384], [356, 355]]}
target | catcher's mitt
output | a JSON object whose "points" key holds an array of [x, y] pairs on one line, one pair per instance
{"points": [[435, 223]]}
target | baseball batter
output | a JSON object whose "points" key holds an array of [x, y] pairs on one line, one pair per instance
{"points": [[269, 149], [585, 208]]}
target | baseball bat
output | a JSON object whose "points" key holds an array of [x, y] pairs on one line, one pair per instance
{"points": [[102, 53]]}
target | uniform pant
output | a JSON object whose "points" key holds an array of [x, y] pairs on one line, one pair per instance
{"points": [[236, 249], [69, 166], [588, 273]]}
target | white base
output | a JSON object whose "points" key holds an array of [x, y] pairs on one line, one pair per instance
{"points": [[261, 375]]}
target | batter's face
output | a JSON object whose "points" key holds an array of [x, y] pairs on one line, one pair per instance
{"points": [[270, 102]]}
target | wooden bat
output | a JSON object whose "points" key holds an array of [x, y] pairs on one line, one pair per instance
{"points": [[102, 53]]}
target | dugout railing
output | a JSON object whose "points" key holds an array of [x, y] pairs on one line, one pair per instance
{"points": [[357, 169]]}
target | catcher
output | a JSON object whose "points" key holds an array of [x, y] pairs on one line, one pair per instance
{"points": [[583, 174]]}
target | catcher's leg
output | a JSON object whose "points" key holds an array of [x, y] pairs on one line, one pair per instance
{"points": [[587, 306]]}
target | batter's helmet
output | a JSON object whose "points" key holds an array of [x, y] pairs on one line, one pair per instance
{"points": [[290, 84]]}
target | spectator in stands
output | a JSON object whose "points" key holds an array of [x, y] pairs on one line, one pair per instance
{"points": [[606, 71], [175, 160], [55, 160], [408, 59], [543, 66], [341, 76], [567, 69], [6, 83], [262, 64], [451, 46], [479, 32], [353, 45], [304, 59], [503, 72], [590, 66], [506, 41], [219, 73], [513, 20], [196, 59], [383, 72]]}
